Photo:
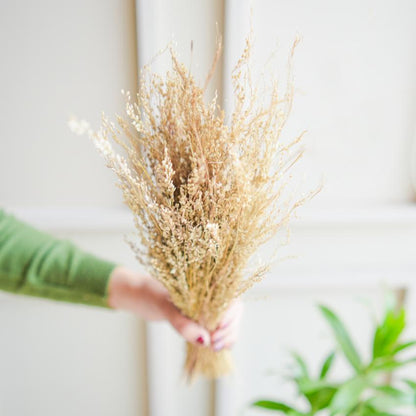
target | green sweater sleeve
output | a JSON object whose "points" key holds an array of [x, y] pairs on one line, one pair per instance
{"points": [[35, 263]]}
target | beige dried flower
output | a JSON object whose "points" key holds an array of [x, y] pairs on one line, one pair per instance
{"points": [[205, 193]]}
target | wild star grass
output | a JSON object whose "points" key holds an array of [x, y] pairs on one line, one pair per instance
{"points": [[205, 192]]}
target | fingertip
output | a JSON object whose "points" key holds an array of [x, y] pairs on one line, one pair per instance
{"points": [[194, 333], [232, 315], [224, 324], [215, 336], [203, 340], [218, 346], [223, 343], [199, 337]]}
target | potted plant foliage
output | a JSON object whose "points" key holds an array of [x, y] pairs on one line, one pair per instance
{"points": [[374, 387]]}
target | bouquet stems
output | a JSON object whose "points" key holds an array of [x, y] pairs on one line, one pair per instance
{"points": [[203, 360]]}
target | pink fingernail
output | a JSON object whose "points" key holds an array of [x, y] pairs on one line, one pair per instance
{"points": [[218, 346], [224, 325], [200, 340]]}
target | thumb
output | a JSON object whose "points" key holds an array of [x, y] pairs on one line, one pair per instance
{"points": [[189, 329]]}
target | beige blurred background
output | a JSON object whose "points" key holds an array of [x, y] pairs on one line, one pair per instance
{"points": [[355, 94]]}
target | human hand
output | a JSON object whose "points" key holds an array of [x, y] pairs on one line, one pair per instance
{"points": [[148, 298], [227, 331]]}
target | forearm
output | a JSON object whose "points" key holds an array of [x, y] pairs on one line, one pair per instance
{"points": [[35, 263]]}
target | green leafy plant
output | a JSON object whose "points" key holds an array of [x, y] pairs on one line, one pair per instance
{"points": [[373, 389]]}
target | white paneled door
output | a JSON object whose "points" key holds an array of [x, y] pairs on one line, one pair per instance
{"points": [[354, 89]]}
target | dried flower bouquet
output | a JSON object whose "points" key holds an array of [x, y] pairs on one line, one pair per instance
{"points": [[205, 193]]}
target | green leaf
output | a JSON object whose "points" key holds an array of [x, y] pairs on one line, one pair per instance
{"points": [[282, 407], [404, 346], [307, 386], [388, 332], [411, 384], [348, 395], [319, 393], [303, 368], [342, 338], [370, 411], [364, 409], [320, 399], [326, 365], [391, 398], [387, 403], [389, 390], [389, 364]]}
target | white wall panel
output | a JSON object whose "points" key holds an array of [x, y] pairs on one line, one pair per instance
{"points": [[58, 59], [355, 88], [181, 22]]}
